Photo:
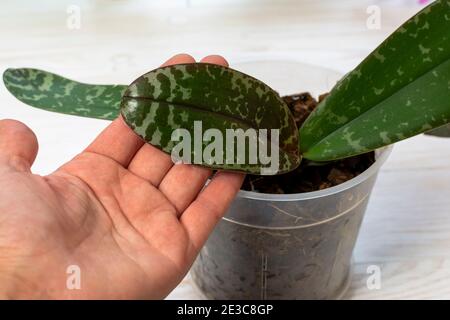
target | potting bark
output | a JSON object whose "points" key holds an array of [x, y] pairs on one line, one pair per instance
{"points": [[309, 177]]}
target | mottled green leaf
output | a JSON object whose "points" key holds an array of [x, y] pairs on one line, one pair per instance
{"points": [[443, 132], [51, 92], [400, 90], [175, 97]]}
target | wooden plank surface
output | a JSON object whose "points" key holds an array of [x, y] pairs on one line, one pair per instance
{"points": [[406, 231]]}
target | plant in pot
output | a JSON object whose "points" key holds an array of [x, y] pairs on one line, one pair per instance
{"points": [[311, 165]]}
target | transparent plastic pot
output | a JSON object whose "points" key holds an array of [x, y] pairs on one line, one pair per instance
{"points": [[294, 246]]}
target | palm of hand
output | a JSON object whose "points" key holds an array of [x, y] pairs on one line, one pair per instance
{"points": [[120, 211]]}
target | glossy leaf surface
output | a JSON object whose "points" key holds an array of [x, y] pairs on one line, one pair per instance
{"points": [[400, 90], [216, 98], [51, 92]]}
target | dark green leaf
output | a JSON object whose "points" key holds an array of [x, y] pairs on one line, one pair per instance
{"points": [[174, 97], [48, 91], [400, 90]]}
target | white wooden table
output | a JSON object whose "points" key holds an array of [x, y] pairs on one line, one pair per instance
{"points": [[406, 231]]}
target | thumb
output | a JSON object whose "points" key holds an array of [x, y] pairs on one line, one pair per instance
{"points": [[18, 145]]}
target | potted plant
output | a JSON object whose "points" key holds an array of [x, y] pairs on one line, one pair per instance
{"points": [[270, 245]]}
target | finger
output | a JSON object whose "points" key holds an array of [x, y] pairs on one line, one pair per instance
{"points": [[216, 59], [210, 206], [117, 142], [183, 182], [178, 59], [149, 162], [18, 145]]}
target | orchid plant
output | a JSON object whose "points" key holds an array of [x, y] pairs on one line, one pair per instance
{"points": [[400, 90]]}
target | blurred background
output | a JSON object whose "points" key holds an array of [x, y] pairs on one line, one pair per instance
{"points": [[407, 228], [136, 35]]}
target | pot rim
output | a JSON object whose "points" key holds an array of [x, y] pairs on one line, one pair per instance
{"points": [[381, 156]]}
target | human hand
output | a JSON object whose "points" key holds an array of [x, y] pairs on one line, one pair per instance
{"points": [[121, 211]]}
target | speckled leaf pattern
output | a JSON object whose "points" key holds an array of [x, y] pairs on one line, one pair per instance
{"points": [[443, 132], [174, 97], [51, 92], [400, 90]]}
